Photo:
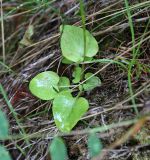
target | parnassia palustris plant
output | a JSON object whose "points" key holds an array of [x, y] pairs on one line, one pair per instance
{"points": [[67, 109]]}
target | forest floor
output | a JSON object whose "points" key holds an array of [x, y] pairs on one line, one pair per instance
{"points": [[118, 109]]}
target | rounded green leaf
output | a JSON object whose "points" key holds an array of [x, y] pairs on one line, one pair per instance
{"points": [[66, 61], [64, 83], [92, 82], [94, 145], [4, 155], [67, 111], [45, 85], [72, 43], [77, 74], [3, 126], [58, 149]]}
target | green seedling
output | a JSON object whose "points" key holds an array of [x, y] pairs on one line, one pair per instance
{"points": [[67, 109]]}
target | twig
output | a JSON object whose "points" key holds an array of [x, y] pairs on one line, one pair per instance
{"points": [[2, 31], [118, 27]]}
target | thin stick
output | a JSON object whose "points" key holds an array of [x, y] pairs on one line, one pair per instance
{"points": [[2, 32]]}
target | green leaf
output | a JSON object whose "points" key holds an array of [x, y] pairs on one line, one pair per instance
{"points": [[4, 155], [64, 83], [80, 87], [77, 74], [72, 43], [94, 145], [67, 111], [66, 61], [45, 85], [91, 83], [58, 149], [3, 126]]}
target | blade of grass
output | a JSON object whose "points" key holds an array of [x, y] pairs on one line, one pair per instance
{"points": [[140, 67], [13, 113], [138, 47], [133, 56], [7, 67]]}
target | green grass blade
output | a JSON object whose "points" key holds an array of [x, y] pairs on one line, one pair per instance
{"points": [[13, 112], [5, 66], [133, 56]]}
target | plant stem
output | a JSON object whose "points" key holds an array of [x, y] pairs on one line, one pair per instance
{"points": [[84, 35]]}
